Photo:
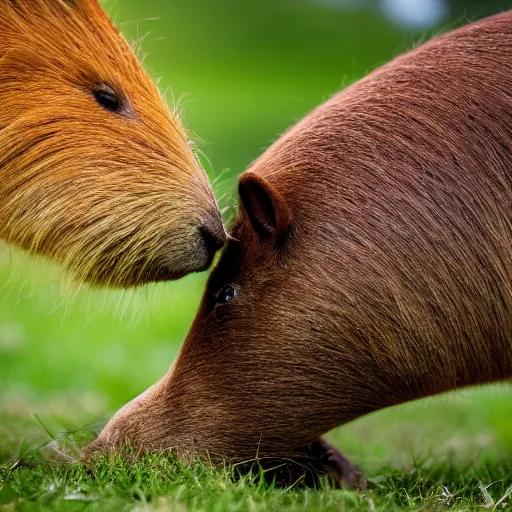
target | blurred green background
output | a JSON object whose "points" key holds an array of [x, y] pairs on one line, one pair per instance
{"points": [[242, 72]]}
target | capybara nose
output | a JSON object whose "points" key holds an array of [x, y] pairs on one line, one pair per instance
{"points": [[213, 233]]}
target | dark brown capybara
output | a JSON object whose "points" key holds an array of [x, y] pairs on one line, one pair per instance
{"points": [[95, 172], [370, 265]]}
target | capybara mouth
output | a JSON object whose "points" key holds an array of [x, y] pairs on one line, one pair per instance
{"points": [[151, 273], [123, 267], [208, 262], [158, 273], [212, 235], [133, 276]]}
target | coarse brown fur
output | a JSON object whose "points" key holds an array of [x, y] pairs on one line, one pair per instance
{"points": [[115, 196], [372, 263]]}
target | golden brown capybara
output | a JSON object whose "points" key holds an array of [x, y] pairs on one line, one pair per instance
{"points": [[95, 172], [371, 264]]}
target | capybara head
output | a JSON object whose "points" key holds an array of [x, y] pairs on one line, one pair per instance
{"points": [[370, 263], [95, 172]]}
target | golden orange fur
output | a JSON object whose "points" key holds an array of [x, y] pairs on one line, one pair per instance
{"points": [[116, 196]]}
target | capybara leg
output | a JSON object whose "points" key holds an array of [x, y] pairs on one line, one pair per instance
{"points": [[309, 465], [340, 471]]}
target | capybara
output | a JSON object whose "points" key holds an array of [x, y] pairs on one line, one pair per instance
{"points": [[95, 172], [370, 264]]}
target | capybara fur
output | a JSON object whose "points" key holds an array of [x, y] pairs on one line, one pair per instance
{"points": [[370, 265], [95, 172]]}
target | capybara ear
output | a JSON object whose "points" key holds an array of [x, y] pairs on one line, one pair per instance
{"points": [[266, 209]]}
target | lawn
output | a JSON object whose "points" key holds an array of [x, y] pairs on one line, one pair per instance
{"points": [[451, 452], [69, 357]]}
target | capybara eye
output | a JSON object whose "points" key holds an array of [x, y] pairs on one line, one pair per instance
{"points": [[107, 98], [226, 295]]}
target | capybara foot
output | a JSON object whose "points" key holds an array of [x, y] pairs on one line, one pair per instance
{"points": [[340, 471], [310, 465]]}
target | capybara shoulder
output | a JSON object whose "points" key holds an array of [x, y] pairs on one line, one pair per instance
{"points": [[95, 172], [370, 263]]}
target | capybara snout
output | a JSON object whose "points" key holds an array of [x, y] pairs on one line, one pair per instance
{"points": [[212, 233], [95, 172]]}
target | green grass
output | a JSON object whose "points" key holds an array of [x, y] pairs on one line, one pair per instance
{"points": [[164, 484], [69, 358], [451, 452]]}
